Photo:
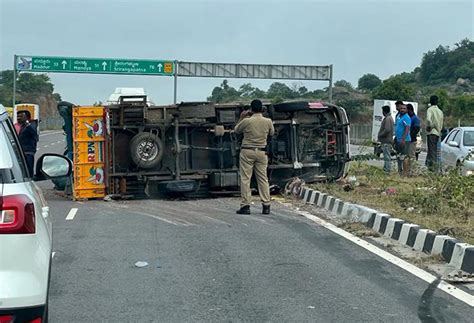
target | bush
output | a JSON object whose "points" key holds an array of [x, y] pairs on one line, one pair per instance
{"points": [[369, 82]]}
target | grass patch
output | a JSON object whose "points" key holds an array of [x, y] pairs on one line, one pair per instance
{"points": [[443, 203]]}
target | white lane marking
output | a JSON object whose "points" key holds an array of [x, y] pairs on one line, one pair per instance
{"points": [[59, 141], [159, 218], [412, 269], [216, 220], [71, 214], [53, 143], [46, 146], [52, 255], [50, 133]]}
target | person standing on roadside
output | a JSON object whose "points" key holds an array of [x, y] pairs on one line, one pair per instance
{"points": [[398, 104], [28, 139], [434, 127], [414, 130], [385, 137], [253, 158], [403, 139], [397, 107]]}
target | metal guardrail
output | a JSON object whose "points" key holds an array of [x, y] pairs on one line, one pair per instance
{"points": [[361, 133]]}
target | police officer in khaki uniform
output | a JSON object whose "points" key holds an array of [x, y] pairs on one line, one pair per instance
{"points": [[255, 128]]}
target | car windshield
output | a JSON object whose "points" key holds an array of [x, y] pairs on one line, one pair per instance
{"points": [[468, 138]]}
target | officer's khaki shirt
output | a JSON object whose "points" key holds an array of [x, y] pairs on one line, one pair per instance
{"points": [[256, 129]]}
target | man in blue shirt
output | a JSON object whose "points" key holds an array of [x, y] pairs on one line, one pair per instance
{"points": [[403, 139]]}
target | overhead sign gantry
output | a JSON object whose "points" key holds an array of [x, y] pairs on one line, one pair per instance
{"points": [[160, 67]]}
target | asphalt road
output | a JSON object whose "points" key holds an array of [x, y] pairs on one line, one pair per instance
{"points": [[208, 264]]}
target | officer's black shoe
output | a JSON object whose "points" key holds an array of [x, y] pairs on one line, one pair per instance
{"points": [[266, 209], [244, 210]]}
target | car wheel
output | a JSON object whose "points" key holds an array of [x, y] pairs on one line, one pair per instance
{"points": [[291, 106], [146, 150]]}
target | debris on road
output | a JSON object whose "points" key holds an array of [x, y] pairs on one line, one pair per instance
{"points": [[141, 264], [459, 276]]}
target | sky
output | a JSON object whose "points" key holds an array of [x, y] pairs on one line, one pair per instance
{"points": [[357, 37]]}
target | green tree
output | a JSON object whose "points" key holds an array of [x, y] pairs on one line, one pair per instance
{"points": [[34, 83], [247, 91], [57, 97], [302, 90], [29, 86], [445, 65], [394, 88], [369, 82], [345, 84], [462, 107], [280, 90], [224, 93]]}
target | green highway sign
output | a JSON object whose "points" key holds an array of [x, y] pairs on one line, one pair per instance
{"points": [[93, 65]]}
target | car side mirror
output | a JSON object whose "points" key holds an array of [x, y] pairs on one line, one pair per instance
{"points": [[51, 166], [453, 144]]}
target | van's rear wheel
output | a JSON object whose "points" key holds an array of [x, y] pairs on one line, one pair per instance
{"points": [[146, 150]]}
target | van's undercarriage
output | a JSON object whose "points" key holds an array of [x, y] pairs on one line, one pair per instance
{"points": [[190, 147]]}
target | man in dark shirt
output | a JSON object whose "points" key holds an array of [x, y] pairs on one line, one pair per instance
{"points": [[385, 137], [414, 130], [28, 139]]}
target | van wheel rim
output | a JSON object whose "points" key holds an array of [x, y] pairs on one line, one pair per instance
{"points": [[147, 150]]}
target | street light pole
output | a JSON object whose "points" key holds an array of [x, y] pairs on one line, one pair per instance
{"points": [[330, 83], [14, 81], [176, 81]]}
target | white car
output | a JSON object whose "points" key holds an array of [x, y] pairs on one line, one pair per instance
{"points": [[456, 147], [25, 229]]}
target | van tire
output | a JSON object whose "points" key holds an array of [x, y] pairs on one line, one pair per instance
{"points": [[146, 150]]}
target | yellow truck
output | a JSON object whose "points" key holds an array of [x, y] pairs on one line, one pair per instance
{"points": [[10, 111]]}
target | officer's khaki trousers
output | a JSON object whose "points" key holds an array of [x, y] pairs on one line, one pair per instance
{"points": [[254, 160]]}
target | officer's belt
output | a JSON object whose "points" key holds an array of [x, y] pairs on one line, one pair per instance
{"points": [[255, 148]]}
